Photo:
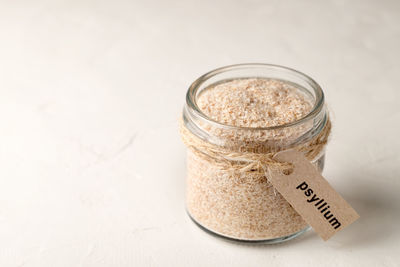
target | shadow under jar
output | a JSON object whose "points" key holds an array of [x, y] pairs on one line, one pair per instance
{"points": [[235, 202]]}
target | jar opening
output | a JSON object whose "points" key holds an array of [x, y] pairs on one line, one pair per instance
{"points": [[254, 70]]}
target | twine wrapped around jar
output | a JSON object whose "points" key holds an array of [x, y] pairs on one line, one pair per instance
{"points": [[229, 159]]}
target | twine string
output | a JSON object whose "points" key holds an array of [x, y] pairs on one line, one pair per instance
{"points": [[229, 159]]}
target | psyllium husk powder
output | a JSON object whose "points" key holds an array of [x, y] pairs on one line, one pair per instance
{"points": [[235, 120]]}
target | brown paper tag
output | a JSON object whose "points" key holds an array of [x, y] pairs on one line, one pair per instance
{"points": [[312, 196]]}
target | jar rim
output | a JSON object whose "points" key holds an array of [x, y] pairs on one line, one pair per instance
{"points": [[194, 87]]}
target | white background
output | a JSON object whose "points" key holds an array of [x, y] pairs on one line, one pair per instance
{"points": [[91, 164]]}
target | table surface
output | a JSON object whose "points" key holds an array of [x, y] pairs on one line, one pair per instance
{"points": [[93, 170]]}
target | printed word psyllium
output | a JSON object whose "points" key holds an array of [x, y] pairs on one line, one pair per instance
{"points": [[320, 204]]}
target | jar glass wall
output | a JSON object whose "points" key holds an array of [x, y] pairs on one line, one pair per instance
{"points": [[244, 205]]}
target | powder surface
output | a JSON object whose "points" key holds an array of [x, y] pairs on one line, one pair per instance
{"points": [[230, 202], [254, 103]]}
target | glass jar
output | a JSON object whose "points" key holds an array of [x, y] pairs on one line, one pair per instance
{"points": [[237, 205]]}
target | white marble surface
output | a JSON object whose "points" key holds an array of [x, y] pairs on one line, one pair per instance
{"points": [[92, 167]]}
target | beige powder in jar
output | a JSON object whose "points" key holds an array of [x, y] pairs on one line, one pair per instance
{"points": [[254, 103], [245, 205]]}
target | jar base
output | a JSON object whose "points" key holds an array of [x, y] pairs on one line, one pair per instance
{"points": [[260, 241]]}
